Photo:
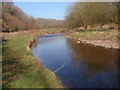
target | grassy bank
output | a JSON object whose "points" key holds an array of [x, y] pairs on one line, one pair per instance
{"points": [[97, 35], [107, 39], [21, 69]]}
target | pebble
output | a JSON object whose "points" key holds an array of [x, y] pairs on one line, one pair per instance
{"points": [[78, 41]]}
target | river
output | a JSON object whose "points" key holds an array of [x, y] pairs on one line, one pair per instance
{"points": [[78, 65]]}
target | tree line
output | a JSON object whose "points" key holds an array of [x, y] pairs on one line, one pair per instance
{"points": [[84, 14], [14, 19], [50, 23]]}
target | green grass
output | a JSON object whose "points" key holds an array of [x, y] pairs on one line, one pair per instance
{"points": [[22, 70]]}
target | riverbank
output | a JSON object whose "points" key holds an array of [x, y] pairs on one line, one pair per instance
{"points": [[20, 68], [23, 70], [107, 39]]}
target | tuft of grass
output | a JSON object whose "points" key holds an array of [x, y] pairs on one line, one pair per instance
{"points": [[21, 69]]}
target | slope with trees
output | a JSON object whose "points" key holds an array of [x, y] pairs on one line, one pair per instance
{"points": [[14, 19], [84, 14], [50, 23]]}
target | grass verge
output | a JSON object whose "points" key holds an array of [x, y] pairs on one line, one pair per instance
{"points": [[21, 69]]}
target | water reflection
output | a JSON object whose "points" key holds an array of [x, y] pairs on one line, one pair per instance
{"points": [[97, 58], [86, 66]]}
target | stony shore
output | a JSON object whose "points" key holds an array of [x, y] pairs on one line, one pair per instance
{"points": [[103, 43]]}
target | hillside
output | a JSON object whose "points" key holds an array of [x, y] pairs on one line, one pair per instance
{"points": [[14, 19]]}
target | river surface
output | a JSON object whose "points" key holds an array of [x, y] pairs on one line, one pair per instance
{"points": [[78, 65]]}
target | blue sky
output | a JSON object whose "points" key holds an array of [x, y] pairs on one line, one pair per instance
{"points": [[53, 10]]}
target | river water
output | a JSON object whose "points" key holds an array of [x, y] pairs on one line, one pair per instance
{"points": [[78, 65]]}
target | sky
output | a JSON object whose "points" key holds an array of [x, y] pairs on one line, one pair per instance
{"points": [[51, 10]]}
